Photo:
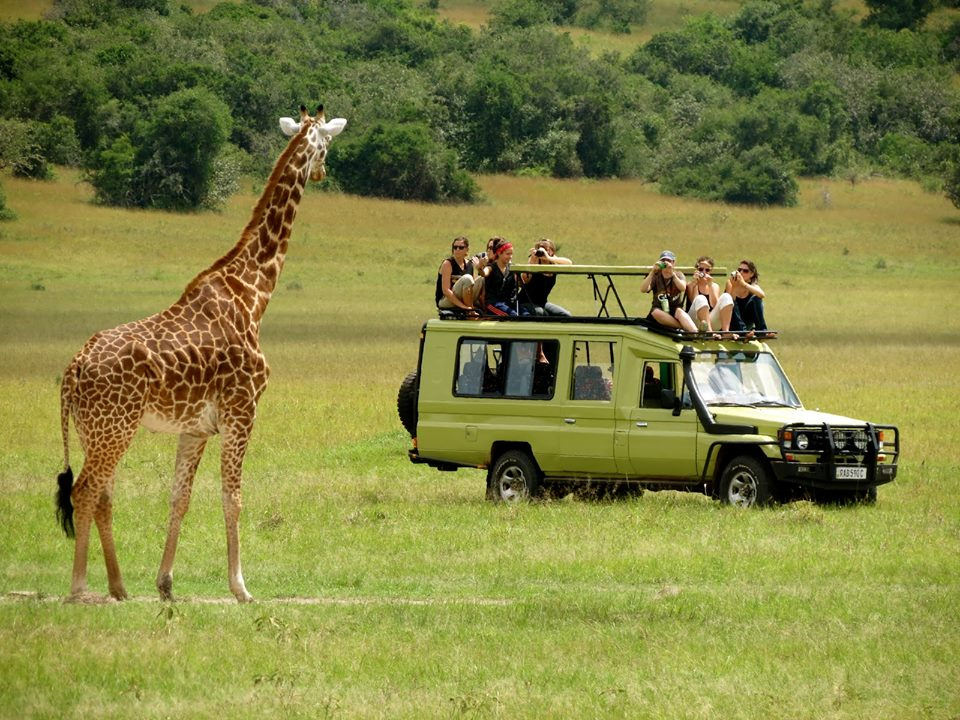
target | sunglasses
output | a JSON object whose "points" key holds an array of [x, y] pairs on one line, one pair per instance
{"points": [[704, 269], [460, 247], [744, 269]]}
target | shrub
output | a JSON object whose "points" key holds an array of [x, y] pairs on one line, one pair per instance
{"points": [[21, 150], [951, 185], [5, 212], [755, 177], [403, 161]]}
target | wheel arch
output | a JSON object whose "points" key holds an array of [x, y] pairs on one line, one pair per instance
{"points": [[499, 447], [723, 453]]}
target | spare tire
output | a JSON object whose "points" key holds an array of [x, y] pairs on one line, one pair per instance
{"points": [[407, 402]]}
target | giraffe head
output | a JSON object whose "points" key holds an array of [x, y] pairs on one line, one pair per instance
{"points": [[318, 133]]}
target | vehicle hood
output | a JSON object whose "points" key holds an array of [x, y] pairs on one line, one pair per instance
{"points": [[769, 419]]}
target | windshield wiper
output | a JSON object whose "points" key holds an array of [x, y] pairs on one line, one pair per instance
{"points": [[728, 404], [772, 403]]}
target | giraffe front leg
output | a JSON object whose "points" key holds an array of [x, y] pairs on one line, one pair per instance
{"points": [[189, 452], [234, 446]]}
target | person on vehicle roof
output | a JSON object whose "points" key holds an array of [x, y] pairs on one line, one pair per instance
{"points": [[747, 298], [501, 284], [537, 286], [707, 307], [458, 282], [667, 285]]}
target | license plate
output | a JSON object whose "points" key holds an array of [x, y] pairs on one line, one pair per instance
{"points": [[851, 473]]}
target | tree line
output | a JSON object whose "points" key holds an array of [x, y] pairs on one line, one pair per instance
{"points": [[166, 108]]}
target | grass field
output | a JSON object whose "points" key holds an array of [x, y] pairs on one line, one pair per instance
{"points": [[389, 590]]}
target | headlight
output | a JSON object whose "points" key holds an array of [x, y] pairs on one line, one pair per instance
{"points": [[803, 442]]}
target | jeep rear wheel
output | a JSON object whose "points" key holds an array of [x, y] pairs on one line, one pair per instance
{"points": [[407, 403], [514, 478], [745, 483]]}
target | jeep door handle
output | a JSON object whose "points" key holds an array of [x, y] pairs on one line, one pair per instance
{"points": [[570, 421], [641, 424]]}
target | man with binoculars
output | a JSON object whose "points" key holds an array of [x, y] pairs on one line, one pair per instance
{"points": [[667, 285]]}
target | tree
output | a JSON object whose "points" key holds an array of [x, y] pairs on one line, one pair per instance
{"points": [[403, 161], [898, 14]]}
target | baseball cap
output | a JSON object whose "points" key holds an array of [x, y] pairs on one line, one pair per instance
{"points": [[666, 254]]}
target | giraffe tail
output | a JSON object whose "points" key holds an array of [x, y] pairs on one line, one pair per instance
{"points": [[65, 479]]}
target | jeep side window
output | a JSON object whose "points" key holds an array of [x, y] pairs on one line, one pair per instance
{"points": [[494, 368], [477, 366], [592, 370], [531, 369], [657, 378]]}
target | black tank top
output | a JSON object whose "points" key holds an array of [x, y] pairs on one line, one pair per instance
{"points": [[455, 272]]}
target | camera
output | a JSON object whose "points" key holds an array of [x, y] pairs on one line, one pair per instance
{"points": [[540, 252], [733, 273], [662, 265]]}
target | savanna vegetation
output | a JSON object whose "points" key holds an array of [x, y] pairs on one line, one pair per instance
{"points": [[731, 107], [390, 590]]}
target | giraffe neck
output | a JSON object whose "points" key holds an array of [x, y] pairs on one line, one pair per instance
{"points": [[251, 269]]}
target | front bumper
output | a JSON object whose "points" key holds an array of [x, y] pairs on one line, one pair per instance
{"points": [[822, 475]]}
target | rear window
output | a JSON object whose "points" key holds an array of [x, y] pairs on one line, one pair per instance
{"points": [[506, 368]]}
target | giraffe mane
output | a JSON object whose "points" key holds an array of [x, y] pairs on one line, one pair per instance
{"points": [[255, 216]]}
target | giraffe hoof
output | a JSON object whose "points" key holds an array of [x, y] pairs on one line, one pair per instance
{"points": [[119, 593], [165, 586]]}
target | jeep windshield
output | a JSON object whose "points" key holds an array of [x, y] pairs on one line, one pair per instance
{"points": [[743, 379]]}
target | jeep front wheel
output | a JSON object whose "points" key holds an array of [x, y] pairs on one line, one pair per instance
{"points": [[514, 478], [746, 483]]}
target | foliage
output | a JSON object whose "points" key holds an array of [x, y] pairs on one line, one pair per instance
{"points": [[952, 185], [5, 212], [898, 14], [169, 159], [820, 90], [400, 161], [21, 150]]}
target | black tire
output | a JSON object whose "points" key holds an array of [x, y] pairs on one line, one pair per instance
{"points": [[746, 483], [407, 403], [513, 478]]}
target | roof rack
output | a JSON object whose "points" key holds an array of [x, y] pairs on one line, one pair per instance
{"points": [[602, 296], [606, 272]]}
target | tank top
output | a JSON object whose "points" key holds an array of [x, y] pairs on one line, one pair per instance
{"points": [[455, 273]]}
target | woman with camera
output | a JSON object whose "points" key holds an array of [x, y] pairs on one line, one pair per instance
{"points": [[747, 298], [501, 284], [705, 305], [458, 285], [537, 286], [668, 286]]}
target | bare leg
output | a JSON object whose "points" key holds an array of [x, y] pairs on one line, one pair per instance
{"points": [[684, 321], [189, 452], [665, 319], [234, 446]]}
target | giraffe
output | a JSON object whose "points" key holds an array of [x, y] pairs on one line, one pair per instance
{"points": [[195, 369]]}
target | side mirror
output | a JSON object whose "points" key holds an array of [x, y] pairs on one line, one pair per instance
{"points": [[668, 400]]}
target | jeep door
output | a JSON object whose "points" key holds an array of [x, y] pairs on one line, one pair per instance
{"points": [[586, 422], [662, 445]]}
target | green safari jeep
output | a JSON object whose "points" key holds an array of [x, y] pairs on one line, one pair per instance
{"points": [[619, 403]]}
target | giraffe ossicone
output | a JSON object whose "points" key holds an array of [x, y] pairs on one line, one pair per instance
{"points": [[194, 369]]}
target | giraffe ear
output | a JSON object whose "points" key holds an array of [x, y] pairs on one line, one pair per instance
{"points": [[334, 127], [289, 126]]}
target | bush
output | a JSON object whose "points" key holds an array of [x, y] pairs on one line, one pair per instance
{"points": [[20, 149], [169, 160], [5, 212], [400, 161], [755, 177], [951, 185]]}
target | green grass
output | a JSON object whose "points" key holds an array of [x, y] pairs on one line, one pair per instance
{"points": [[390, 590]]}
